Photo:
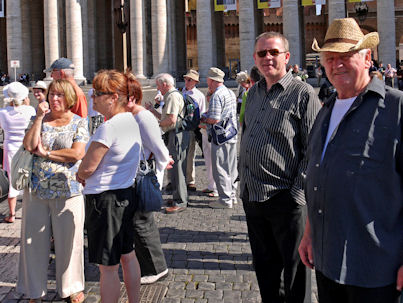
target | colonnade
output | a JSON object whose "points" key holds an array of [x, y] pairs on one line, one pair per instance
{"points": [[80, 39]]}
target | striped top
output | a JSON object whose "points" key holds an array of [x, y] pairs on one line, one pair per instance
{"points": [[275, 137], [223, 105]]}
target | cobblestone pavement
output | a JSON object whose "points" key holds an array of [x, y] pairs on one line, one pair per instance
{"points": [[207, 252]]}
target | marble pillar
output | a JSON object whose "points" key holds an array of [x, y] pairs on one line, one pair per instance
{"points": [[51, 34], [386, 30], [159, 28], [292, 29], [336, 9], [14, 36], [247, 33], [137, 37], [74, 37], [26, 10], [37, 38], [204, 37], [92, 57]]}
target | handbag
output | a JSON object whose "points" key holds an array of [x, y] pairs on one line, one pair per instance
{"points": [[21, 169], [147, 189], [223, 131]]}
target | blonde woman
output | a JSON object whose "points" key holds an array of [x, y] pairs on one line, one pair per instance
{"points": [[55, 202]]}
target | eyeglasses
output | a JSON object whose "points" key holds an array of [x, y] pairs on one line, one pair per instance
{"points": [[97, 93], [273, 52]]}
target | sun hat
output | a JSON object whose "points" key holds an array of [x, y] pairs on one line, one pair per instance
{"points": [[216, 74], [41, 85], [16, 92], [192, 74], [61, 63], [242, 77], [344, 35]]}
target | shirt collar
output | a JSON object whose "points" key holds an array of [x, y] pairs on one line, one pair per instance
{"points": [[284, 82], [374, 86]]}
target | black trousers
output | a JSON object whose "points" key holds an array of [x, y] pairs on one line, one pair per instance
{"points": [[333, 292], [147, 244], [275, 229]]}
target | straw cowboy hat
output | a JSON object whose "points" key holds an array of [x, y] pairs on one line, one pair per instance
{"points": [[345, 35]]}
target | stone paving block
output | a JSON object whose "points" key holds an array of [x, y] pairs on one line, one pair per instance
{"points": [[201, 301], [187, 300], [216, 278], [183, 271], [251, 296], [194, 293], [223, 285], [241, 286], [206, 286], [171, 300], [183, 278], [175, 293], [191, 285], [233, 278], [177, 285], [200, 278], [213, 294], [232, 296]]}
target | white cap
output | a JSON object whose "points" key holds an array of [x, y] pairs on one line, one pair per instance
{"points": [[16, 92], [41, 85]]}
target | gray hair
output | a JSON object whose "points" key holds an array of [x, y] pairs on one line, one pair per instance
{"points": [[68, 72], [165, 78]]}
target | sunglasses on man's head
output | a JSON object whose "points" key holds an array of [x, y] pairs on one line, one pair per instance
{"points": [[273, 52], [97, 93]]}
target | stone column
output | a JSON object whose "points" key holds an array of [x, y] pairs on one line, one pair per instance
{"points": [[292, 29], [14, 36], [247, 33], [136, 37], [204, 37], [51, 30], [91, 11], [74, 37], [386, 30], [336, 9], [159, 28], [26, 8]]}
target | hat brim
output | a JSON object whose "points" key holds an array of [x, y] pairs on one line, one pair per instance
{"points": [[191, 77], [369, 41], [221, 80]]}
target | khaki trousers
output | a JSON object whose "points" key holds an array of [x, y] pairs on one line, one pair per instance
{"points": [[65, 217]]}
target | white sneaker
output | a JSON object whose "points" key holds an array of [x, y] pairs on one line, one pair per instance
{"points": [[218, 204], [153, 278]]}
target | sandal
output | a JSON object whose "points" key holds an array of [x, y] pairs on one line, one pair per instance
{"points": [[9, 219], [78, 297]]}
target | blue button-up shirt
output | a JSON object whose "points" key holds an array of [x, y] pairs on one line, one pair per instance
{"points": [[355, 194]]}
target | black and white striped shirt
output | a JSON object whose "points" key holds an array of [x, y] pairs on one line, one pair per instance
{"points": [[275, 137]]}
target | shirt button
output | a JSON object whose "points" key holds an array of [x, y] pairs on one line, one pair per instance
{"points": [[317, 164], [315, 188], [319, 211]]}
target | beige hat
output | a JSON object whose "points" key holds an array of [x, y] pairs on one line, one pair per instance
{"points": [[242, 77], [345, 35], [192, 74], [41, 85], [216, 74]]}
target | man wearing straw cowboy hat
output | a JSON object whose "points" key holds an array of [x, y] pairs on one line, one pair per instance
{"points": [[354, 180]]}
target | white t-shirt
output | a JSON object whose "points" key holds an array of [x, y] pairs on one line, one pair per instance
{"points": [[118, 167], [152, 141], [340, 108]]}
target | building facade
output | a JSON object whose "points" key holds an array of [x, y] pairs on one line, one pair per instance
{"points": [[154, 36]]}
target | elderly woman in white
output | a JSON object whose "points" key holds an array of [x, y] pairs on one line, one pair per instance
{"points": [[14, 119]]}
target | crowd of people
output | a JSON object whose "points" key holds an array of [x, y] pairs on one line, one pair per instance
{"points": [[311, 174]]}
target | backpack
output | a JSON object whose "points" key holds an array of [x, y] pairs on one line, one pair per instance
{"points": [[191, 120]]}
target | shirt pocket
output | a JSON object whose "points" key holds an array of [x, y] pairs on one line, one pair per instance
{"points": [[368, 147]]}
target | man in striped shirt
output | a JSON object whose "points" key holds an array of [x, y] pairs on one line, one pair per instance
{"points": [[279, 114], [223, 157]]}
